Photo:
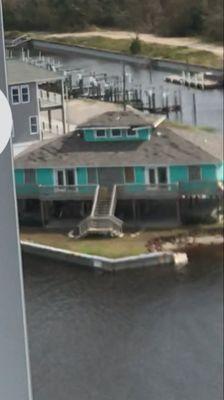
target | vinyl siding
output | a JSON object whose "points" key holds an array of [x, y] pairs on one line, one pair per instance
{"points": [[208, 172], [178, 173], [143, 134], [140, 175], [220, 172], [45, 177], [19, 177], [82, 176]]}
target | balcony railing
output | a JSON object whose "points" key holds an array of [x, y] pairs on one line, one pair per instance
{"points": [[55, 192], [128, 191], [206, 188], [147, 191]]}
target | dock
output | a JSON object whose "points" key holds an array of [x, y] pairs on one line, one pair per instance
{"points": [[197, 81]]}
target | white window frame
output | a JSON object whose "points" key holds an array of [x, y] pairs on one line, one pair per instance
{"points": [[134, 134], [35, 176], [63, 170], [28, 94], [100, 137], [30, 124], [156, 174], [125, 181], [116, 136], [19, 95]]}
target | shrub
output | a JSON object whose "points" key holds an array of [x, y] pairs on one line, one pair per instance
{"points": [[136, 46]]}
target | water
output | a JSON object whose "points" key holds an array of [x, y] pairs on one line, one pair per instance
{"points": [[209, 104], [137, 335]]}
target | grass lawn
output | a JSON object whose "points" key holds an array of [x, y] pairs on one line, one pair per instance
{"points": [[151, 50], [106, 247]]}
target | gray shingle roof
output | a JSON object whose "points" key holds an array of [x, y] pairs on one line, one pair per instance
{"points": [[129, 118], [71, 150], [21, 72]]}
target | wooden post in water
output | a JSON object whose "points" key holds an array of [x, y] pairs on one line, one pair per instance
{"points": [[194, 110]]}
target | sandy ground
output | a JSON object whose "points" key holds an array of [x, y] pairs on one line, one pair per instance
{"points": [[190, 42], [79, 111]]}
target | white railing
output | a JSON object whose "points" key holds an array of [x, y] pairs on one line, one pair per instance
{"points": [[47, 99], [95, 200], [113, 200]]}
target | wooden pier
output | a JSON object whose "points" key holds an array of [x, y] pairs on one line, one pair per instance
{"points": [[198, 81]]}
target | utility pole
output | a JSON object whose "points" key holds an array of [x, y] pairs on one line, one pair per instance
{"points": [[15, 381]]}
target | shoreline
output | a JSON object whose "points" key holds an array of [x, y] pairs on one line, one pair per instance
{"points": [[140, 243], [160, 55]]}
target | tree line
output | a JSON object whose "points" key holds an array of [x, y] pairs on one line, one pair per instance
{"points": [[162, 17]]}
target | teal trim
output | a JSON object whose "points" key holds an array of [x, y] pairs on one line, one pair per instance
{"points": [[208, 172], [45, 177], [220, 172], [82, 177], [142, 134], [19, 176], [140, 175], [178, 173]]}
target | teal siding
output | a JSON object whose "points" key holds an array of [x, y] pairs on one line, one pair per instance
{"points": [[208, 172], [19, 176], [140, 175], [45, 177], [82, 177], [143, 134], [220, 172], [89, 135], [178, 173]]}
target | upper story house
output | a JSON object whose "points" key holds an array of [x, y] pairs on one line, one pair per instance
{"points": [[31, 103], [123, 163]]}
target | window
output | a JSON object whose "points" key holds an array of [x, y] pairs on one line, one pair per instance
{"points": [[33, 125], [116, 132], [152, 176], [15, 95], [60, 178], [30, 176], [132, 133], [70, 177], [92, 176], [162, 175], [194, 173], [25, 94], [129, 175], [100, 133]]}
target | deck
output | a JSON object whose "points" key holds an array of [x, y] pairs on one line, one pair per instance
{"points": [[124, 192]]}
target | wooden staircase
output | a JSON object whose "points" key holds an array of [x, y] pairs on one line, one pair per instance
{"points": [[102, 220]]}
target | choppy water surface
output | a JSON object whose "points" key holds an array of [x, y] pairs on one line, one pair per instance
{"points": [[209, 104], [136, 335]]}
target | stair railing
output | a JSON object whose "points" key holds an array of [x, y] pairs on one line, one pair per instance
{"points": [[95, 200], [113, 200]]}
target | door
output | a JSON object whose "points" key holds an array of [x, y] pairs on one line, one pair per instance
{"points": [[110, 176]]}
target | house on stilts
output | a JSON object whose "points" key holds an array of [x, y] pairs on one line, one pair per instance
{"points": [[117, 170]]}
